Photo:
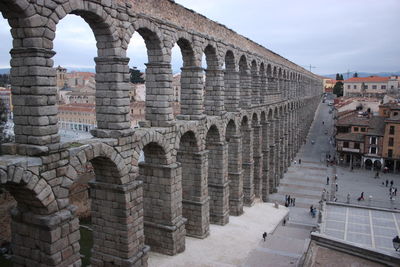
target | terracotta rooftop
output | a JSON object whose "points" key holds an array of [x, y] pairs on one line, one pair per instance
{"points": [[350, 137], [78, 107], [370, 79]]}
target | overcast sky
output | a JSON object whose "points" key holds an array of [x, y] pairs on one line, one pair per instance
{"points": [[332, 35]]}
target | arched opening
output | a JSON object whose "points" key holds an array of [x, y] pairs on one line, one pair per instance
{"points": [[263, 84], [255, 84], [183, 69], [257, 155], [195, 201], [7, 200], [231, 81], [164, 227], [218, 189], [152, 98], [75, 78], [247, 162], [214, 93], [235, 175], [244, 81]]}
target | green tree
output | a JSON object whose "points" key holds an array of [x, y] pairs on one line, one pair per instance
{"points": [[136, 76], [355, 75], [337, 77], [338, 89]]}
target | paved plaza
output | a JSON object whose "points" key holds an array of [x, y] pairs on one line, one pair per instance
{"points": [[362, 226]]}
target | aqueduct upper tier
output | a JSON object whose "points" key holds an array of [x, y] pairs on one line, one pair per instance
{"points": [[238, 130]]}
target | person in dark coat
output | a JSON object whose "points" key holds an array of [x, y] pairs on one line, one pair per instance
{"points": [[264, 236]]}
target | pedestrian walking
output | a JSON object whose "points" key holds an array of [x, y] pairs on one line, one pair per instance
{"points": [[294, 201], [284, 222], [327, 180], [387, 182], [395, 191], [337, 187], [299, 161], [391, 183], [264, 236], [288, 199], [348, 198], [335, 178], [295, 162], [362, 196]]}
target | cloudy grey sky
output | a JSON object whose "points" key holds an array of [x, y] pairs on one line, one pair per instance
{"points": [[333, 35]]}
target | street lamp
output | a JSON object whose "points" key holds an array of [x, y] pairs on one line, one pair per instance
{"points": [[396, 243]]}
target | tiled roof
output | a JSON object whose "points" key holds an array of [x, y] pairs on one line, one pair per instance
{"points": [[353, 120], [376, 126], [78, 107], [371, 79], [350, 137]]}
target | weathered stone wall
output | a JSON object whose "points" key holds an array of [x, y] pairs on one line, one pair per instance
{"points": [[236, 135]]}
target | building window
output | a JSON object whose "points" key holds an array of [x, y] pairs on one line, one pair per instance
{"points": [[363, 130], [373, 140], [390, 153], [355, 87], [395, 113], [373, 150], [365, 86], [383, 86], [373, 86], [356, 129], [391, 130], [348, 86], [345, 144], [391, 141], [357, 145]]}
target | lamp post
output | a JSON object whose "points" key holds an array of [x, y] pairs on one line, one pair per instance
{"points": [[396, 243]]}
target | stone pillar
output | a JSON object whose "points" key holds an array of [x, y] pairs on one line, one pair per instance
{"points": [[258, 159], [232, 94], [272, 84], [45, 240], [263, 89], [245, 89], [235, 174], [112, 94], [272, 156], [192, 107], [159, 94], [117, 222], [214, 92], [255, 87], [195, 199], [34, 97], [218, 183], [266, 158], [248, 166], [164, 226]]}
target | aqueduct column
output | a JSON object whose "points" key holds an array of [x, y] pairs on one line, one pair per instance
{"points": [[192, 107], [232, 94], [266, 160], [214, 92], [255, 87], [245, 88], [258, 159], [248, 165], [235, 174]]}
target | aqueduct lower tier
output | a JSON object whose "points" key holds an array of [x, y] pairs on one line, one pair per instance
{"points": [[236, 135]]}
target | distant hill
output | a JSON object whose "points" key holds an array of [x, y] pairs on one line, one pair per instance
{"points": [[363, 74]]}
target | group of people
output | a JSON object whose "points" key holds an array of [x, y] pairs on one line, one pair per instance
{"points": [[290, 201]]}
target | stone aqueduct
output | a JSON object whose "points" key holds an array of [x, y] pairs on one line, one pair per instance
{"points": [[236, 135]]}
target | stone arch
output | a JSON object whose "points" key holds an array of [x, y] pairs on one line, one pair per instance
{"points": [[162, 199], [183, 130], [231, 82], [11, 9], [214, 87], [247, 160], [245, 82], [32, 193], [255, 83], [101, 23], [146, 137], [263, 84], [195, 201], [218, 189], [217, 125]]}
